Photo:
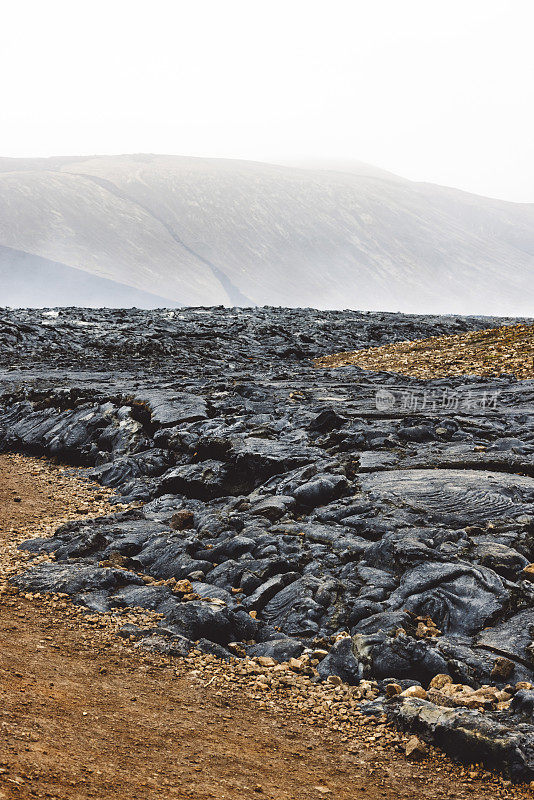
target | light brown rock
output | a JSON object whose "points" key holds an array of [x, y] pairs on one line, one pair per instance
{"points": [[415, 748], [265, 661], [415, 691], [438, 681], [334, 680], [295, 664], [441, 699]]}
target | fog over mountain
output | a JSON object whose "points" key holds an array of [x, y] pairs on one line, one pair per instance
{"points": [[152, 230]]}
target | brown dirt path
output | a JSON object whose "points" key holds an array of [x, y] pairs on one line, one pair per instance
{"points": [[85, 715]]}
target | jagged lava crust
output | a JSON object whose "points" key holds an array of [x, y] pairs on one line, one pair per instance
{"points": [[284, 508]]}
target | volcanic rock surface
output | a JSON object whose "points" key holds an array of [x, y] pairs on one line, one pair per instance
{"points": [[285, 508]]}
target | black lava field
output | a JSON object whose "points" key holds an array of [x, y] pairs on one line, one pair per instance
{"points": [[396, 511]]}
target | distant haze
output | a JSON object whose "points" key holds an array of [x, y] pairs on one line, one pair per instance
{"points": [[434, 90], [155, 230]]}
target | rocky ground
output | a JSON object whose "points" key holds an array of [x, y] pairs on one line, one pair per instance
{"points": [[86, 713], [499, 351], [366, 532]]}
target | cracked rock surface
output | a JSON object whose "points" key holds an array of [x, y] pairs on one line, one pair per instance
{"points": [[284, 508]]}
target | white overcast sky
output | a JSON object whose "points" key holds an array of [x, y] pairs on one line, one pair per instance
{"points": [[436, 90]]}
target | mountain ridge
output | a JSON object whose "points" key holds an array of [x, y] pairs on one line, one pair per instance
{"points": [[49, 284], [201, 231]]}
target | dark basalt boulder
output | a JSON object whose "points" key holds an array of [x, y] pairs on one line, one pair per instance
{"points": [[380, 656], [294, 608], [468, 735], [416, 433], [384, 621], [327, 420], [458, 597], [120, 471], [321, 490], [466, 496], [343, 662], [205, 480], [523, 705], [261, 596], [74, 578], [202, 620], [279, 649], [512, 638], [169, 408], [273, 508], [177, 646], [501, 559], [262, 458], [472, 665]]}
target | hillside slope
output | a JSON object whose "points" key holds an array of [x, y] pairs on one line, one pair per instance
{"points": [[212, 231], [508, 350], [34, 282]]}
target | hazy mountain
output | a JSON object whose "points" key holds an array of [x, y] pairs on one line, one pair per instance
{"points": [[353, 167], [211, 231], [28, 281]]}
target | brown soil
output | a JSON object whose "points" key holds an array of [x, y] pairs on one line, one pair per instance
{"points": [[497, 351], [84, 714]]}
